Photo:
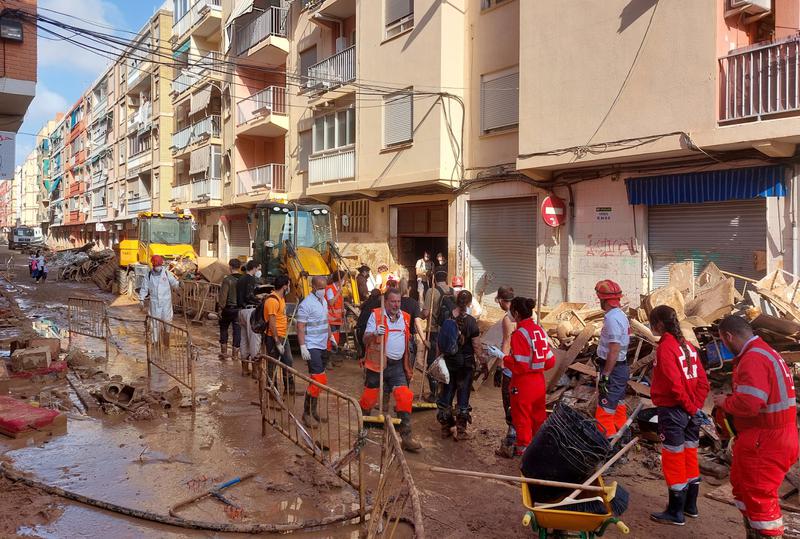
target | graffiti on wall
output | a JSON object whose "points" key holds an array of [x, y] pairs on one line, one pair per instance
{"points": [[610, 246]]}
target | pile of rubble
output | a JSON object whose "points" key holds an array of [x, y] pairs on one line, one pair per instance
{"points": [[84, 264]]}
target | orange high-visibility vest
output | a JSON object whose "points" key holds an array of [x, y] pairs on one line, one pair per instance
{"points": [[372, 356], [335, 307]]}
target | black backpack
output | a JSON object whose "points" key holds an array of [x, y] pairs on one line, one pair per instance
{"points": [[258, 324], [446, 306]]}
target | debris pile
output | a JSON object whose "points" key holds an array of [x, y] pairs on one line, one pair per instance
{"points": [[83, 264]]}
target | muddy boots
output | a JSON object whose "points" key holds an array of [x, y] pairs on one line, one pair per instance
{"points": [[408, 441], [673, 515], [315, 410], [690, 509], [235, 354], [461, 426], [308, 417], [446, 420], [223, 351]]}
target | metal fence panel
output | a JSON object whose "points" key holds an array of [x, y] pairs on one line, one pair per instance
{"points": [[88, 317], [337, 444], [396, 497], [170, 349]]}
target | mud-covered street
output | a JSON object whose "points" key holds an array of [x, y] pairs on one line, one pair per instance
{"points": [[151, 464]]}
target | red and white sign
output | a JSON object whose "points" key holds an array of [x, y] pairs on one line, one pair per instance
{"points": [[554, 211]]}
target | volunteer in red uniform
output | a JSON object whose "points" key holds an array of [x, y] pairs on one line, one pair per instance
{"points": [[390, 328], [678, 388], [335, 299], [763, 408], [530, 356]]}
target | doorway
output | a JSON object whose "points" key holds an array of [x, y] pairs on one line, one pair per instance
{"points": [[420, 228]]}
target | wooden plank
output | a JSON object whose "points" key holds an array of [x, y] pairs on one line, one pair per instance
{"points": [[551, 320], [564, 360], [681, 276], [713, 303], [642, 331]]}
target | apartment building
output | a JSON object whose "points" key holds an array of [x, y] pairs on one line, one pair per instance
{"points": [[18, 77], [7, 201], [31, 180]]}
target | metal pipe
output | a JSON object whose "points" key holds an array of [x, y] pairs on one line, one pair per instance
{"points": [[795, 247], [570, 239]]}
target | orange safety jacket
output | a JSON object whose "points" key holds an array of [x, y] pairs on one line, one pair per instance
{"points": [[335, 307], [372, 356]]}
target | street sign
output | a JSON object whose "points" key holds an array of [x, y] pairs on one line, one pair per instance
{"points": [[554, 211]]}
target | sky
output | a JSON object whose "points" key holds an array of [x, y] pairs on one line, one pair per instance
{"points": [[65, 70]]}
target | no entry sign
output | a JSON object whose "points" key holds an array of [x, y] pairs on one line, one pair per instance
{"points": [[554, 211]]}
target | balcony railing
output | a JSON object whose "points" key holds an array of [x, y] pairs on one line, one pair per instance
{"points": [[208, 126], [271, 177], [99, 212], [270, 100], [142, 202], [58, 219], [100, 108], [182, 193], [136, 72], [271, 22], [182, 25], [333, 71], [761, 80], [206, 189], [189, 76], [99, 178], [334, 165], [142, 158], [142, 118]]}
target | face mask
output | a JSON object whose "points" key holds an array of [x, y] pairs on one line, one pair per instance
{"points": [[158, 269], [258, 274], [457, 289], [319, 293]]}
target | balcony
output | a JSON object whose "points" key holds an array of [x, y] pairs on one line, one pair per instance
{"points": [[139, 161], [264, 113], [341, 9], [260, 180], [57, 219], [332, 72], [761, 81], [338, 164], [139, 202], [182, 194], [76, 187], [142, 119], [190, 76], [205, 12], [206, 190], [137, 75], [100, 108], [206, 128], [262, 40], [76, 217], [99, 178], [99, 212]]}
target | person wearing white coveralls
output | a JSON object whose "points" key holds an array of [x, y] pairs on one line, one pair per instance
{"points": [[158, 285]]}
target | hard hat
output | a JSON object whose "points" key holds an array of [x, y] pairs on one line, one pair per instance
{"points": [[458, 281], [609, 291], [157, 260], [391, 278]]}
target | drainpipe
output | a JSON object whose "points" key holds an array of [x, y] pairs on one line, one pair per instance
{"points": [[794, 205], [570, 240]]}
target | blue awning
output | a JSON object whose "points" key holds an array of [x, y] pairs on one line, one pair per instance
{"points": [[183, 48], [713, 186]]}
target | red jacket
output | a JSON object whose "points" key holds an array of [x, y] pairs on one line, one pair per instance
{"points": [[678, 380], [530, 350], [763, 389]]}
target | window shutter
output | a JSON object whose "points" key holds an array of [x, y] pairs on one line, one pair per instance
{"points": [[398, 119], [499, 101], [305, 149], [307, 59], [199, 160], [398, 9]]}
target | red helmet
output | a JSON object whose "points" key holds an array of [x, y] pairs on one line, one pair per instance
{"points": [[157, 260], [608, 290], [391, 278], [458, 281]]}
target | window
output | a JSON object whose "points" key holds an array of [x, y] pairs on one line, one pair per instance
{"points": [[121, 153], [353, 215], [399, 16], [334, 130], [304, 150], [138, 144], [500, 100], [307, 59], [486, 4], [398, 119]]}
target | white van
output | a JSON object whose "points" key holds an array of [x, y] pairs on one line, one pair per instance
{"points": [[26, 235]]}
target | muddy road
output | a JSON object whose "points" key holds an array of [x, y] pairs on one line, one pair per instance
{"points": [[152, 464]]}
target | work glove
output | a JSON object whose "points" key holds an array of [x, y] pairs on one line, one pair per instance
{"points": [[702, 417], [602, 385], [380, 330], [484, 371], [495, 352], [304, 353], [280, 347]]}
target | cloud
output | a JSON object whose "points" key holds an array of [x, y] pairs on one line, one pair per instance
{"points": [[57, 53], [43, 108]]}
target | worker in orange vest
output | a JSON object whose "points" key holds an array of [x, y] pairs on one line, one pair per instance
{"points": [[335, 299], [389, 328], [764, 411]]}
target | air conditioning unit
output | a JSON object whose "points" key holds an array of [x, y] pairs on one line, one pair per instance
{"points": [[753, 7]]}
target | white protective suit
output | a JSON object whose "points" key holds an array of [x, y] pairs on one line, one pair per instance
{"points": [[159, 288]]}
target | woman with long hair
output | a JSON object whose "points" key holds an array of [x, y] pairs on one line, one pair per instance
{"points": [[678, 388], [461, 365]]}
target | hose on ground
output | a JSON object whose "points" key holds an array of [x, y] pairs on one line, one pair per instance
{"points": [[306, 525]]}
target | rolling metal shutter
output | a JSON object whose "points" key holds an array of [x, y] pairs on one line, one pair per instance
{"points": [[726, 233], [499, 101], [239, 239], [502, 241], [398, 119]]}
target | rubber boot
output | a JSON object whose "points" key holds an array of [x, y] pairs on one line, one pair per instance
{"points": [[408, 441], [445, 419], [235, 354], [308, 418], [690, 509], [461, 426], [506, 451], [245, 368], [223, 351], [673, 515], [315, 410]]}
